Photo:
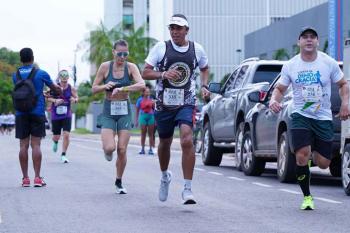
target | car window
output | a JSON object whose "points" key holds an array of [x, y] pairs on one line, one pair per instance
{"points": [[230, 81], [266, 73], [240, 77]]}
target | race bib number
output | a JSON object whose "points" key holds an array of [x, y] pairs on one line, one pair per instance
{"points": [[61, 110], [173, 96], [312, 93], [119, 108]]}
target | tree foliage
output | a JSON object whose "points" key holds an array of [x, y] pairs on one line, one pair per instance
{"points": [[281, 54], [9, 61]]}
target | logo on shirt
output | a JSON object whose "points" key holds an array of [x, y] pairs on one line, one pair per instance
{"points": [[307, 77], [185, 72]]}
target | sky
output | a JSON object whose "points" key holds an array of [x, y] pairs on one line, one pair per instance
{"points": [[52, 28]]}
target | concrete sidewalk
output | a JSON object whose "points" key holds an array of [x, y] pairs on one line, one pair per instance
{"points": [[135, 139]]}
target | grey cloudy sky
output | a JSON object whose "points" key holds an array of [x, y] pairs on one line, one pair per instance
{"points": [[52, 28]]}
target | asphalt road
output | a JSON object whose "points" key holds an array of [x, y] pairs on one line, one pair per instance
{"points": [[80, 196]]}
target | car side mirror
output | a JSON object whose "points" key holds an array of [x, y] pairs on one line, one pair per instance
{"points": [[215, 88], [254, 96], [257, 96]]}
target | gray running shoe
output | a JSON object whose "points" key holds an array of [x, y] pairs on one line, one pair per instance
{"points": [[187, 197], [109, 157], [164, 187]]}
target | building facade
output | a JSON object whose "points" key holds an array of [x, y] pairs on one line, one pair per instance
{"points": [[265, 42], [220, 25]]}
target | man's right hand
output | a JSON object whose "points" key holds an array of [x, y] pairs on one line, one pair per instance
{"points": [[275, 106], [172, 74]]}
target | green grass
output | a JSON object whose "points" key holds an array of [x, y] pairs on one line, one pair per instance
{"points": [[81, 131]]}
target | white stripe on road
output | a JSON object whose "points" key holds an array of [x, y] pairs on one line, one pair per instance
{"points": [[289, 191], [0, 218], [327, 200], [262, 185], [87, 147], [216, 173], [199, 169], [235, 178]]}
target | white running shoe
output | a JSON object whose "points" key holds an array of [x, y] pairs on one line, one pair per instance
{"points": [[164, 187], [120, 189], [64, 159], [109, 157], [187, 197]]}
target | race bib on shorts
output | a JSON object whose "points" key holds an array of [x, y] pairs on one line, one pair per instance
{"points": [[312, 93], [119, 108], [61, 110], [173, 96]]}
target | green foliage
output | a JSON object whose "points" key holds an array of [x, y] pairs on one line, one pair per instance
{"points": [[9, 61], [81, 131], [223, 80], [281, 54]]}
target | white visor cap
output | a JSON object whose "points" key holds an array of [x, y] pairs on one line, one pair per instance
{"points": [[178, 21]]}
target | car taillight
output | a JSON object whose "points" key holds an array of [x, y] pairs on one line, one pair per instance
{"points": [[262, 95]]}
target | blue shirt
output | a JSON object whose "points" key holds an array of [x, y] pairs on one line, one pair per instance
{"points": [[41, 78]]}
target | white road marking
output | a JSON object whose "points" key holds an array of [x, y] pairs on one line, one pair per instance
{"points": [[327, 200], [262, 185], [87, 147], [199, 169], [216, 173], [235, 178], [289, 191], [0, 218]]}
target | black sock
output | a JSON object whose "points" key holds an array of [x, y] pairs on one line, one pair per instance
{"points": [[63, 154], [303, 178], [118, 181]]}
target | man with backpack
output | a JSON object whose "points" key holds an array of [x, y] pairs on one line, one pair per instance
{"points": [[29, 103]]}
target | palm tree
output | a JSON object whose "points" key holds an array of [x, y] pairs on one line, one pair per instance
{"points": [[101, 42], [281, 54]]}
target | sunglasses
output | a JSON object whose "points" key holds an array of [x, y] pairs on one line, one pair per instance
{"points": [[64, 75], [122, 54]]}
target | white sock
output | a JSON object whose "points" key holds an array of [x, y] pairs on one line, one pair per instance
{"points": [[188, 184], [165, 174]]}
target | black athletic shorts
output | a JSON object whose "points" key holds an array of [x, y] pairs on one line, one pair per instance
{"points": [[310, 132], [63, 124], [28, 124]]}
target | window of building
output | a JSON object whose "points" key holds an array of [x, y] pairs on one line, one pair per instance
{"points": [[276, 19]]}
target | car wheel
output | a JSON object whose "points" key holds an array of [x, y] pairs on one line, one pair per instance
{"points": [[346, 169], [238, 147], [335, 167], [211, 155], [285, 160], [251, 165]]}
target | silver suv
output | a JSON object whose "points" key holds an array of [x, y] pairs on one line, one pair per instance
{"points": [[223, 122]]}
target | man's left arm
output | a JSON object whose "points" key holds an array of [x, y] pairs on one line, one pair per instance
{"points": [[344, 112]]}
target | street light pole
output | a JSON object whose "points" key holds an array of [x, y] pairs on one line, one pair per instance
{"points": [[75, 66]]}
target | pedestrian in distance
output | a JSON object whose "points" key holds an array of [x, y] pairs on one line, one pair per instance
{"points": [[172, 64], [61, 113], [145, 118], [311, 73], [117, 78], [29, 103]]}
